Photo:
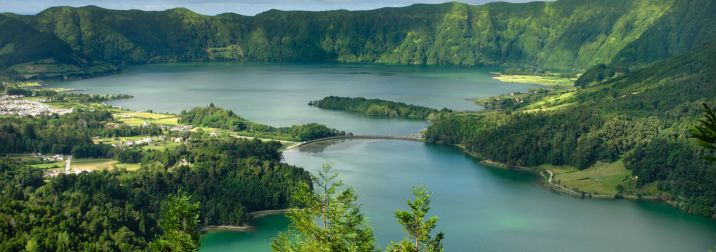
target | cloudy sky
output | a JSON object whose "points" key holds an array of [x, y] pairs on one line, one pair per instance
{"points": [[212, 7]]}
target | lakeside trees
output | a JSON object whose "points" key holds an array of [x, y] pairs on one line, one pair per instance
{"points": [[375, 107], [328, 218], [418, 226], [641, 118], [120, 210], [212, 116]]}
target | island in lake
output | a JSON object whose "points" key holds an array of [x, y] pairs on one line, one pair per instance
{"points": [[376, 107], [567, 126]]}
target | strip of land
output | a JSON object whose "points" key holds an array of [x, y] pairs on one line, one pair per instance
{"points": [[244, 228], [547, 80]]}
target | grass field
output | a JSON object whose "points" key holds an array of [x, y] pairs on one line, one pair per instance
{"points": [[138, 118], [87, 164], [52, 165], [602, 178], [28, 84], [110, 140], [535, 79], [59, 90], [93, 164], [552, 102], [161, 145]]}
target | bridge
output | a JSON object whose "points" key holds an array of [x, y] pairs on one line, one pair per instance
{"points": [[415, 137]]}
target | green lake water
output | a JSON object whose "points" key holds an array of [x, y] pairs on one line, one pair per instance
{"points": [[278, 94], [480, 208]]}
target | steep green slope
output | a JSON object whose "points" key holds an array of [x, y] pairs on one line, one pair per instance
{"points": [[641, 118], [21, 43], [685, 26], [568, 34], [26, 53]]}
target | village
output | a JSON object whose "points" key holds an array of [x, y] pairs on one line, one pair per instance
{"points": [[17, 105]]}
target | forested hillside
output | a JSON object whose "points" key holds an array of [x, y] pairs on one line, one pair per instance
{"points": [[566, 34], [119, 210], [642, 118], [375, 107]]}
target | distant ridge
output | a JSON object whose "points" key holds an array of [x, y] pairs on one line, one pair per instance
{"points": [[566, 34]]}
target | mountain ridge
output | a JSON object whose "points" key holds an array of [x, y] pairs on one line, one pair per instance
{"points": [[564, 34]]}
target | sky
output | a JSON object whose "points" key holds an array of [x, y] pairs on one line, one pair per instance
{"points": [[213, 7]]}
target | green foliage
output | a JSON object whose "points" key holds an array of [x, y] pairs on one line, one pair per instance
{"points": [[50, 134], [22, 43], [215, 117], [119, 210], [417, 227], [180, 214], [642, 117], [179, 222], [375, 107], [599, 73], [19, 91], [68, 134], [562, 34], [328, 219], [705, 132]]}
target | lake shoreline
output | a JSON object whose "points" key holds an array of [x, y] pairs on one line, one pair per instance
{"points": [[543, 80], [548, 182], [244, 228]]}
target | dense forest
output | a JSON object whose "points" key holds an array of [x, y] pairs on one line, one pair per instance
{"points": [[642, 117], [648, 69], [215, 117], [375, 107], [120, 210], [68, 134], [565, 34]]}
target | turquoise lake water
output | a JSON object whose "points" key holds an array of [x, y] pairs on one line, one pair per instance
{"points": [[480, 208]]}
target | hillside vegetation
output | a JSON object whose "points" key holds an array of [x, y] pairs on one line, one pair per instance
{"points": [[215, 117], [642, 118], [566, 34], [375, 107], [26, 53]]}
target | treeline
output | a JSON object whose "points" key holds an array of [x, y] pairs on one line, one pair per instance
{"points": [[119, 210], [642, 118], [442, 34], [68, 134], [215, 117], [598, 74], [50, 134], [54, 96], [375, 107], [326, 217]]}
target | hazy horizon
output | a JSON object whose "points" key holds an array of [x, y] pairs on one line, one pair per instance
{"points": [[213, 7]]}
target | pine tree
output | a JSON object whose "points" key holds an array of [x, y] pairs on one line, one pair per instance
{"points": [[328, 219], [417, 227], [179, 221], [705, 132]]}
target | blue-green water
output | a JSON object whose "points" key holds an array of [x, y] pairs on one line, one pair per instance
{"points": [[256, 240], [480, 208], [277, 94]]}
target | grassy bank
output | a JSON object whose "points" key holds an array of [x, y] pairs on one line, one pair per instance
{"points": [[141, 118], [547, 80], [602, 179]]}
